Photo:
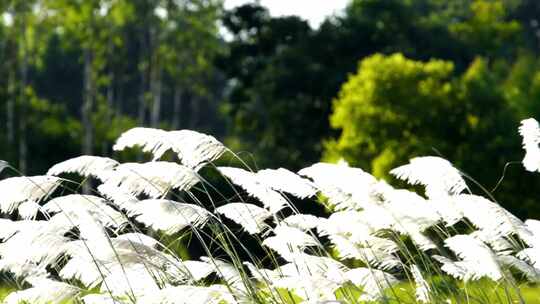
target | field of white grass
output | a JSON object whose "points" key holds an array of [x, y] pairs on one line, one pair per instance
{"points": [[124, 241]]}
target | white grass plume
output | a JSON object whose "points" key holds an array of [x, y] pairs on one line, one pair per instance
{"points": [[447, 209], [167, 215], [489, 216], [532, 253], [534, 228], [134, 280], [410, 210], [29, 210], [354, 237], [136, 237], [271, 199], [44, 291], [9, 227], [302, 221], [372, 251], [346, 222], [16, 190], [457, 270], [193, 148], [423, 289], [117, 196], [250, 217], [283, 180], [346, 188], [478, 258], [104, 298], [406, 213], [313, 278], [32, 242], [31, 247], [530, 132], [85, 165], [437, 174], [190, 294], [372, 281], [289, 241], [154, 179], [74, 204], [386, 216], [193, 271], [306, 264], [91, 263], [265, 276], [97, 257], [500, 245], [531, 273], [150, 140], [229, 273], [313, 288]]}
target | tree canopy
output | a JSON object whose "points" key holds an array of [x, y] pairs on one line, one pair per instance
{"points": [[375, 84]]}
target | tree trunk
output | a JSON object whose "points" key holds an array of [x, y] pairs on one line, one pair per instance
{"points": [[110, 110], [23, 145], [10, 110], [143, 67], [118, 110], [110, 96], [88, 102], [156, 93], [155, 76], [110, 93], [195, 112], [86, 109], [177, 107]]}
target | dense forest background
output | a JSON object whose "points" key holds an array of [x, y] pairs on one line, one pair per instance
{"points": [[377, 84]]}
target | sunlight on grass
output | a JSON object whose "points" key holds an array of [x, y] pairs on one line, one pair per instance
{"points": [[378, 244]]}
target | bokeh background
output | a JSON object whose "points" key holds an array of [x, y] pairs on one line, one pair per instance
{"points": [[375, 82]]}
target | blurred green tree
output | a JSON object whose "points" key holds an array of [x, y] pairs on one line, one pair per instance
{"points": [[26, 31], [93, 60], [283, 73], [272, 76], [191, 43], [488, 31], [396, 108], [384, 109]]}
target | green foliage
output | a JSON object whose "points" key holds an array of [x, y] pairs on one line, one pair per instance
{"points": [[383, 111], [267, 85], [284, 73], [395, 108], [488, 30], [55, 54], [274, 73]]}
